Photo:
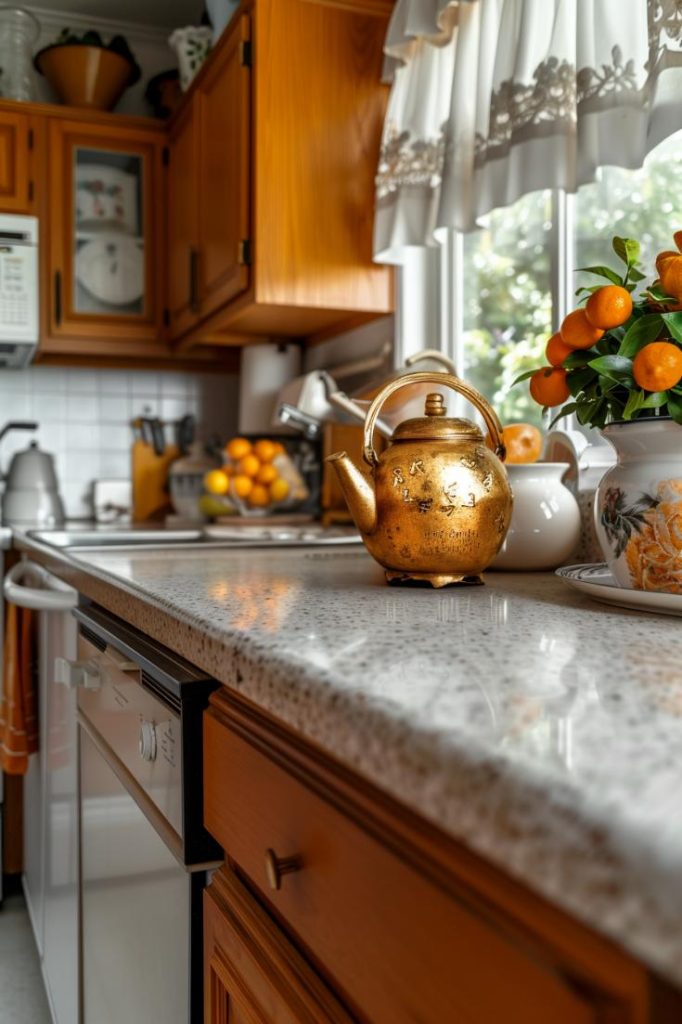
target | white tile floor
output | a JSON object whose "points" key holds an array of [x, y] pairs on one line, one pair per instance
{"points": [[22, 996]]}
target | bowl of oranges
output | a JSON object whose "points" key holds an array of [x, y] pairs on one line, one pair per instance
{"points": [[256, 478]]}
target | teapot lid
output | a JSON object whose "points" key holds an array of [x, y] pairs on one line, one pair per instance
{"points": [[434, 425]]}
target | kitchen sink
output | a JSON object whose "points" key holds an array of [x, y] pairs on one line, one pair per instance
{"points": [[112, 536], [242, 534]]}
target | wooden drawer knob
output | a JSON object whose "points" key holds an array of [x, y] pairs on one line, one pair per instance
{"points": [[276, 867]]}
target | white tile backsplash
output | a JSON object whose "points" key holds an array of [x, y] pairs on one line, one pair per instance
{"points": [[85, 417]]}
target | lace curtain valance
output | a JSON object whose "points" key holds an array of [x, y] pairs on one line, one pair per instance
{"points": [[492, 99]]}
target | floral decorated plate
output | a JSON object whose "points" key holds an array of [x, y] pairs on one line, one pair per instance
{"points": [[596, 580]]}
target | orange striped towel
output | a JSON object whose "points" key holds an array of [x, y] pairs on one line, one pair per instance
{"points": [[18, 711]]}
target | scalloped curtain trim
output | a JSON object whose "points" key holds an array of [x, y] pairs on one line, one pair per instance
{"points": [[492, 99]]}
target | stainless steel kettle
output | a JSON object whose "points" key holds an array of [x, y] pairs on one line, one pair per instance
{"points": [[31, 495]]}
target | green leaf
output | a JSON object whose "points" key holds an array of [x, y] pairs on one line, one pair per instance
{"points": [[524, 376], [673, 322], [582, 293], [565, 410], [633, 404], [626, 249], [675, 407], [578, 380], [655, 399], [636, 275], [658, 294], [587, 411], [601, 271], [642, 331], [580, 357], [617, 368]]}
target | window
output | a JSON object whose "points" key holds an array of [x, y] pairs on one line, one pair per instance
{"points": [[512, 282], [645, 204], [507, 300]]}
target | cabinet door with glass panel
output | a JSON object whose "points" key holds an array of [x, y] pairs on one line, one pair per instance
{"points": [[105, 216]]}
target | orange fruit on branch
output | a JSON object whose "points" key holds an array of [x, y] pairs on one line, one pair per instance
{"points": [[578, 332], [658, 366], [669, 268], [557, 350], [548, 386], [608, 307]]}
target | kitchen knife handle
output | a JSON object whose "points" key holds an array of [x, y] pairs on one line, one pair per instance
{"points": [[57, 297], [194, 280]]}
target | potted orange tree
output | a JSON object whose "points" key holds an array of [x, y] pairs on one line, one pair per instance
{"points": [[616, 364]]}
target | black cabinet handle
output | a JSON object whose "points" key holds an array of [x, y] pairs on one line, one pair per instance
{"points": [[58, 297], [194, 280]]}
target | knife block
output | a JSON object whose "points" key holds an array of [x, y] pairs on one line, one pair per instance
{"points": [[149, 475]]}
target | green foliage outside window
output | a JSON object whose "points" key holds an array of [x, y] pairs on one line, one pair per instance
{"points": [[507, 264]]}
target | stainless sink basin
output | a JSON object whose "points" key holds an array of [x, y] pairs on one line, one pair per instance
{"points": [[244, 535], [108, 536]]}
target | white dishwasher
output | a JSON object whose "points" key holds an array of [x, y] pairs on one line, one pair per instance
{"points": [[51, 791], [144, 850]]}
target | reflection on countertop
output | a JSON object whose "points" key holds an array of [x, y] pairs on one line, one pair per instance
{"points": [[541, 729]]}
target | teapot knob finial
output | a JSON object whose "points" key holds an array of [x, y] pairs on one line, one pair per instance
{"points": [[435, 406]]}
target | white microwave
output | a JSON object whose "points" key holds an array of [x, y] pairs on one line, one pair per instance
{"points": [[18, 290]]}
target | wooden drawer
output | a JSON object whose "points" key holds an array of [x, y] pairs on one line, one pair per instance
{"points": [[252, 974], [393, 942]]}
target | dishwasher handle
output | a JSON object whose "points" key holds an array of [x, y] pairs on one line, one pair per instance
{"points": [[72, 674], [51, 595]]}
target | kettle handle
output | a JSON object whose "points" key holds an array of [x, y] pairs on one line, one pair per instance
{"points": [[491, 418]]}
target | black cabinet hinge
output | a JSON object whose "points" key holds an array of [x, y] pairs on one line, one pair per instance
{"points": [[165, 156], [245, 252], [246, 53], [30, 138], [166, 318]]}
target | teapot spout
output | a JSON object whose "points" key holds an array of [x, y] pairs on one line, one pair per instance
{"points": [[357, 491]]}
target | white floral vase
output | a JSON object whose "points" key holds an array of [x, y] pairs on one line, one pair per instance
{"points": [[192, 45], [545, 524], [638, 505]]}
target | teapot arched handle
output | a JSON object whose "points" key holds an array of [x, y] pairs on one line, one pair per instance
{"points": [[489, 415]]}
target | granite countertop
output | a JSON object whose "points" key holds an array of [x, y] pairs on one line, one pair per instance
{"points": [[541, 729]]}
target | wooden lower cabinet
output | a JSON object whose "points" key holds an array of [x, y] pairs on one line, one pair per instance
{"points": [[352, 894], [253, 975]]}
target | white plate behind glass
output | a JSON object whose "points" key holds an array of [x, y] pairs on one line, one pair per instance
{"points": [[596, 581], [111, 268]]}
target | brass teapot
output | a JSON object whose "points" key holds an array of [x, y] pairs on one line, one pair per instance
{"points": [[436, 504]]}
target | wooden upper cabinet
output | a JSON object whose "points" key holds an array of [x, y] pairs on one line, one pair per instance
{"points": [[319, 116], [224, 103], [183, 223], [289, 108], [209, 220], [106, 197], [16, 188]]}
